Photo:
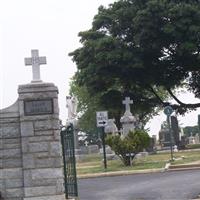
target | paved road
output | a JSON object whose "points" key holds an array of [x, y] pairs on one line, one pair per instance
{"points": [[168, 185]]}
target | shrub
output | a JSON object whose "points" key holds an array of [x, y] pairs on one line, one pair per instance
{"points": [[126, 148]]}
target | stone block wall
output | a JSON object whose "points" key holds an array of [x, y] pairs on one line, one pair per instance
{"points": [[30, 147], [11, 176]]}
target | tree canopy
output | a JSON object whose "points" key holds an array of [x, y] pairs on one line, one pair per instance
{"points": [[190, 130], [144, 49]]}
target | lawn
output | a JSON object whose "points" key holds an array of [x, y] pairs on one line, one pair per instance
{"points": [[94, 163]]}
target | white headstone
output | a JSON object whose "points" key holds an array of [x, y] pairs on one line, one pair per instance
{"points": [[191, 140], [197, 138], [35, 61]]}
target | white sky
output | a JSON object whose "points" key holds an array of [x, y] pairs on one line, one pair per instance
{"points": [[52, 27]]}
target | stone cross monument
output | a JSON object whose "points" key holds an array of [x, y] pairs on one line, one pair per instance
{"points": [[127, 120], [30, 147], [127, 103], [35, 61]]}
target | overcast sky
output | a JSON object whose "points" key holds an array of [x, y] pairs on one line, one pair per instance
{"points": [[52, 27]]}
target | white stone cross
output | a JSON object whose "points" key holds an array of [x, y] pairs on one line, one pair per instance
{"points": [[127, 103], [35, 61]]}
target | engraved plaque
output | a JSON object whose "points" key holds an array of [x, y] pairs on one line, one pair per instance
{"points": [[38, 107]]}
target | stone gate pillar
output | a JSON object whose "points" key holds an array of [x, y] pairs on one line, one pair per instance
{"points": [[40, 142]]}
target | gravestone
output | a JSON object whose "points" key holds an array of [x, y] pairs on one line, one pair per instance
{"points": [[196, 138], [164, 136], [111, 127], [152, 145], [128, 120], [110, 154], [183, 142], [199, 124], [191, 139], [175, 130], [30, 147]]}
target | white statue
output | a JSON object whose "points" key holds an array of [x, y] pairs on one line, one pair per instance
{"points": [[72, 107], [71, 118], [111, 127]]}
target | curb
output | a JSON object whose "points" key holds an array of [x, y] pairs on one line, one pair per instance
{"points": [[167, 168], [197, 198], [120, 173], [184, 167]]}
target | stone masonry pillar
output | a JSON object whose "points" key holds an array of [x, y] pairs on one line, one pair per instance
{"points": [[40, 141]]}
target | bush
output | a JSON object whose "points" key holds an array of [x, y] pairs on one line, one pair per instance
{"points": [[193, 146], [126, 148]]}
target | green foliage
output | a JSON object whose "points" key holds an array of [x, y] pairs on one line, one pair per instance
{"points": [[199, 122], [89, 104], [87, 107], [188, 130], [143, 49], [132, 144], [193, 146]]}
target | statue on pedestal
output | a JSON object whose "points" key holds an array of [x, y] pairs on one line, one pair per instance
{"points": [[72, 107], [72, 117]]}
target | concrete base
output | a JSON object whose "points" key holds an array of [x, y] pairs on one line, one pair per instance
{"points": [[52, 197], [31, 164]]}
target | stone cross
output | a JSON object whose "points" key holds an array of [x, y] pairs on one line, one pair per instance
{"points": [[35, 61], [127, 103]]}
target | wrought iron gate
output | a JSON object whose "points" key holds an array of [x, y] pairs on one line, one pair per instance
{"points": [[67, 139]]}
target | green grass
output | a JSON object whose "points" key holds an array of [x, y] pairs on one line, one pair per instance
{"points": [[189, 157], [93, 163], [91, 158], [193, 146]]}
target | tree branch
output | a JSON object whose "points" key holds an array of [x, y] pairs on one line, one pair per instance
{"points": [[157, 96], [174, 97], [181, 104], [180, 107]]}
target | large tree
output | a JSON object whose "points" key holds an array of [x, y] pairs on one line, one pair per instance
{"points": [[145, 49], [88, 105]]}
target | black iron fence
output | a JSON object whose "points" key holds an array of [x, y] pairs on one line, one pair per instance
{"points": [[69, 160]]}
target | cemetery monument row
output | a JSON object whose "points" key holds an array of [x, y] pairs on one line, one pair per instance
{"points": [[30, 147]]}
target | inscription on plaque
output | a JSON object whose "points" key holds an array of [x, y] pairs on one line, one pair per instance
{"points": [[38, 107]]}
